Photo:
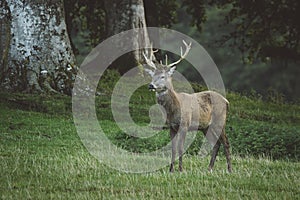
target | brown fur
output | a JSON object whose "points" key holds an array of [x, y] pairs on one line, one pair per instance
{"points": [[204, 110]]}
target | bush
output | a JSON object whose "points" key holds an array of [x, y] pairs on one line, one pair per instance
{"points": [[260, 138], [254, 127], [108, 80]]}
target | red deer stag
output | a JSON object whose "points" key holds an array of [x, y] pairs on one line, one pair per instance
{"points": [[207, 110]]}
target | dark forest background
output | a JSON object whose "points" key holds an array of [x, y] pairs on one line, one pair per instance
{"points": [[255, 44]]}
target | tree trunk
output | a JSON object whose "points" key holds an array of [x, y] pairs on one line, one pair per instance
{"points": [[4, 37], [123, 15], [35, 50]]}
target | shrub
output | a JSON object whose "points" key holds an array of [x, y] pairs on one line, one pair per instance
{"points": [[108, 80]]}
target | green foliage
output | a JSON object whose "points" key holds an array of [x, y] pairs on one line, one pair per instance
{"points": [[42, 157], [264, 29], [254, 127], [197, 9], [86, 17], [54, 104], [108, 81], [234, 49], [276, 75], [260, 138], [131, 143], [263, 128], [157, 15]]}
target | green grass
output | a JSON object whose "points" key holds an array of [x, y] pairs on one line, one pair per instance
{"points": [[42, 157]]}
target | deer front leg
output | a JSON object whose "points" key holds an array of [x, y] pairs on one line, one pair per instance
{"points": [[182, 134], [173, 136]]}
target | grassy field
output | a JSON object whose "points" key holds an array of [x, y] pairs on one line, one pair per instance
{"points": [[42, 157]]}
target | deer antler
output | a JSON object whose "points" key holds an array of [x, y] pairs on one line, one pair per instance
{"points": [[182, 56], [149, 60]]}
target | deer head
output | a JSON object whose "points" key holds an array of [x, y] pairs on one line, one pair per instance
{"points": [[161, 73]]}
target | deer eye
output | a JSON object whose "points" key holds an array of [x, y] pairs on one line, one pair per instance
{"points": [[163, 76]]}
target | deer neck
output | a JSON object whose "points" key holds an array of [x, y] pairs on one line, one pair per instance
{"points": [[169, 100]]}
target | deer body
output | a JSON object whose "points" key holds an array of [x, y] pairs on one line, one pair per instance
{"points": [[187, 109], [205, 111]]}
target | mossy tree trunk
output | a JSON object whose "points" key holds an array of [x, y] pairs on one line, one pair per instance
{"points": [[35, 50], [123, 15]]}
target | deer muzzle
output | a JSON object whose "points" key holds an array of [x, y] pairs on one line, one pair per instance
{"points": [[151, 87]]}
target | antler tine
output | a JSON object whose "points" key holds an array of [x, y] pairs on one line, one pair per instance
{"points": [[166, 59], [182, 55], [149, 60]]}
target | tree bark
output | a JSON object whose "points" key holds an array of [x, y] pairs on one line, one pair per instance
{"points": [[123, 15], [36, 54], [4, 36]]}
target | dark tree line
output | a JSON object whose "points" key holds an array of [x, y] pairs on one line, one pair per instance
{"points": [[37, 56], [265, 29], [262, 28]]}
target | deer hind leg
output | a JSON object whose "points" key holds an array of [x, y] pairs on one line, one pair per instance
{"points": [[214, 155], [173, 136], [213, 138], [225, 142]]}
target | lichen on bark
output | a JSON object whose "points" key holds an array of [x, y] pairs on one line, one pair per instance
{"points": [[39, 45]]}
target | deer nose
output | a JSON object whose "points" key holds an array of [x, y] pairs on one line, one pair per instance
{"points": [[151, 86]]}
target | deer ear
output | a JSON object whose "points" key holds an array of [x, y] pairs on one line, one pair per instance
{"points": [[171, 71], [150, 72]]}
